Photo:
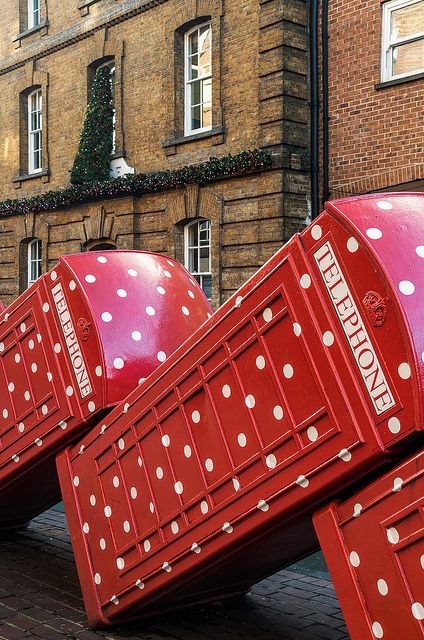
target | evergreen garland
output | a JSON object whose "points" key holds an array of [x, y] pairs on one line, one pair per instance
{"points": [[92, 161], [139, 184]]}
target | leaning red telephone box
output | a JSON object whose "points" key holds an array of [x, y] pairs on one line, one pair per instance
{"points": [[73, 345], [374, 547], [205, 479]]}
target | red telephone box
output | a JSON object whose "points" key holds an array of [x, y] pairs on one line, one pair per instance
{"points": [[206, 477], [73, 345]]}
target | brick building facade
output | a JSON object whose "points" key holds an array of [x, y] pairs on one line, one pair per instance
{"points": [[376, 96], [254, 94]]}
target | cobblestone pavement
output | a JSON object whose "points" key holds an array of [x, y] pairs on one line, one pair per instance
{"points": [[40, 597]]}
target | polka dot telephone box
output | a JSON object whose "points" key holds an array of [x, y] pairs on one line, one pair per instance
{"points": [[374, 547], [73, 345], [206, 477]]}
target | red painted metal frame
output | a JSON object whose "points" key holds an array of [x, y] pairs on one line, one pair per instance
{"points": [[374, 547], [73, 345], [206, 478]]}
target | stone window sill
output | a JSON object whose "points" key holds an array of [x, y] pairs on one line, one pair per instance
{"points": [[44, 175], [217, 134], [84, 6], [42, 29], [393, 83]]}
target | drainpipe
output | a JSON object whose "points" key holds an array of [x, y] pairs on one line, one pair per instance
{"points": [[325, 108], [314, 140]]}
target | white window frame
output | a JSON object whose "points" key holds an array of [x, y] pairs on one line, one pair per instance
{"points": [[34, 13], [35, 245], [33, 165], [198, 275], [389, 45], [188, 130]]}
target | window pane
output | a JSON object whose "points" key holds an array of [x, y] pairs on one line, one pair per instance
{"points": [[194, 42], [207, 286], [195, 118], [193, 235], [407, 21], [408, 57], [195, 93], [205, 63], [193, 261], [194, 67], [204, 260]]}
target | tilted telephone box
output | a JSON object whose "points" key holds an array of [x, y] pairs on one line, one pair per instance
{"points": [[72, 346], [205, 478], [374, 547]]}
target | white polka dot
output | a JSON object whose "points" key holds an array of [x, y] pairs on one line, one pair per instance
{"points": [[141, 380], [278, 412], [34, 367], [394, 425], [160, 290], [72, 285], [166, 567], [267, 314], [86, 527], [373, 233], [420, 251], [115, 481], [406, 287], [185, 311], [260, 362], [316, 232], [44, 409], [49, 376], [31, 344], [38, 442], [126, 526], [377, 630], [93, 500], [242, 440], [23, 327], [69, 391], [250, 401], [132, 273], [120, 563], [106, 316], [46, 307], [354, 559], [174, 527], [102, 544], [76, 481], [209, 464], [150, 311], [5, 413], [27, 396], [384, 205], [262, 505], [57, 347], [159, 473], [352, 245], [166, 440], [107, 511], [236, 484], [397, 484], [297, 329], [187, 451], [91, 406], [357, 510], [393, 535], [21, 427], [121, 293], [195, 416], [303, 482], [118, 363], [63, 424], [238, 301], [114, 600], [121, 444], [102, 260], [17, 358], [305, 281], [161, 356], [382, 587], [418, 611], [139, 461], [133, 493], [226, 390], [15, 458], [204, 507], [271, 461], [227, 528], [147, 546], [312, 434], [190, 293], [404, 371], [166, 273], [288, 371], [1, 346], [139, 584], [328, 338], [90, 278], [195, 548], [97, 578], [345, 455], [178, 488]]}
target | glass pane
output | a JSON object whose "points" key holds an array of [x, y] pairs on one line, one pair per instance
{"points": [[205, 37], [407, 21], [193, 67], [204, 260], [196, 122], [205, 63], [207, 286], [194, 42], [408, 57], [193, 261], [207, 90], [207, 115], [193, 235], [195, 93]]}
